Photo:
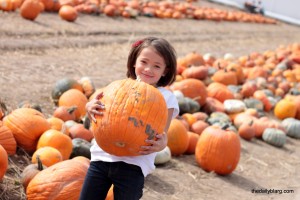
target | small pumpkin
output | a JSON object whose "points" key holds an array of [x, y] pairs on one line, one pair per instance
{"points": [[246, 130], [62, 85], [65, 113], [74, 97], [136, 105], [234, 106], [163, 156], [3, 162], [30, 9], [7, 139], [58, 140], [68, 13], [292, 127], [193, 139], [88, 86], [81, 147], [285, 108], [177, 138], [274, 137], [79, 131], [30, 171], [192, 88], [48, 156]]}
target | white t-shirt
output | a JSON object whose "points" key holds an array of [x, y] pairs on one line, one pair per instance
{"points": [[146, 162]]}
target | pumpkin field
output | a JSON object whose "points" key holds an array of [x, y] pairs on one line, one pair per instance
{"points": [[237, 84]]}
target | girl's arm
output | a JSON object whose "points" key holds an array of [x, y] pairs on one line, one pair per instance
{"points": [[161, 139]]}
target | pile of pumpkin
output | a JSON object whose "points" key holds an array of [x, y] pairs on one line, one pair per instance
{"points": [[221, 100], [69, 9]]}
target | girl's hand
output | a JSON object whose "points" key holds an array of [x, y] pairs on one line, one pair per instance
{"points": [[94, 107], [156, 145]]}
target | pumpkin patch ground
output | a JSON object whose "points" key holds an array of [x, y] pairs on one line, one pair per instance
{"points": [[36, 54]]}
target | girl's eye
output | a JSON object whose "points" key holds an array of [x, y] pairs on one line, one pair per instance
{"points": [[156, 66]]}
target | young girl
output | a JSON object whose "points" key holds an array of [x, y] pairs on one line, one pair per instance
{"points": [[153, 60]]}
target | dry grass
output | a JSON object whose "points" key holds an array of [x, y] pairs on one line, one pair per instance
{"points": [[11, 187]]}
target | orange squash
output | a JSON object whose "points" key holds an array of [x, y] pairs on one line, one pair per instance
{"points": [[177, 138], [27, 125], [68, 13], [58, 140], [7, 139], [134, 111], [74, 97], [63, 180], [3, 162], [218, 150], [48, 155], [30, 9], [192, 88]]}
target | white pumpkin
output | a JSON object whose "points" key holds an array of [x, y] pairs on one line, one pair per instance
{"points": [[163, 156], [234, 106]]}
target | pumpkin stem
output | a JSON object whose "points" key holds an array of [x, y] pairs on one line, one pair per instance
{"points": [[251, 122], [71, 109], [225, 126], [3, 107], [39, 162]]}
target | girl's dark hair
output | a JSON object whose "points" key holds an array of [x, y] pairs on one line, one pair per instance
{"points": [[163, 48]]}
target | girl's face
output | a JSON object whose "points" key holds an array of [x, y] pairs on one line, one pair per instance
{"points": [[150, 66]]}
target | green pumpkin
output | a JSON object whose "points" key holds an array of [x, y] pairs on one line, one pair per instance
{"points": [[81, 147], [218, 117], [63, 85], [254, 103], [292, 127], [274, 137]]}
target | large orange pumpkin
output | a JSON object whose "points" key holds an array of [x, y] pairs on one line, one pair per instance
{"points": [[3, 162], [27, 125], [134, 111], [7, 139], [62, 180], [218, 150]]}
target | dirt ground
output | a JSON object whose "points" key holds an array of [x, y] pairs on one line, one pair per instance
{"points": [[34, 55]]}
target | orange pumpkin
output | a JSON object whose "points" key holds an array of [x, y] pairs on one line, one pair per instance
{"points": [[177, 138], [193, 139], [219, 91], [79, 131], [192, 88], [74, 97], [218, 150], [63, 181], [27, 125], [30, 171], [48, 155], [134, 111], [65, 113], [68, 13], [7, 139], [3, 162], [58, 140], [30, 9], [285, 108], [246, 130]]}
